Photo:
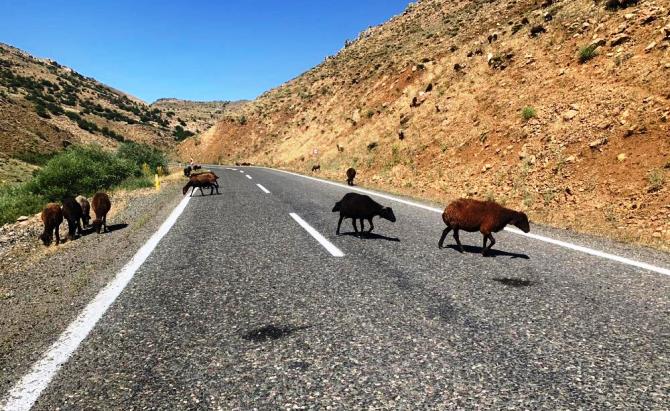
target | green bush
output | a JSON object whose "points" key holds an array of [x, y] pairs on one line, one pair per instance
{"points": [[586, 53], [134, 183], [141, 154], [80, 170], [16, 201], [528, 112]]}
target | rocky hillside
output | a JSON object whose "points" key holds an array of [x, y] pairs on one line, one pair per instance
{"points": [[559, 108], [45, 106], [190, 118]]}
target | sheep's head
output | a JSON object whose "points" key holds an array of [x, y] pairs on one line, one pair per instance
{"points": [[337, 207], [387, 213], [186, 187], [521, 222]]}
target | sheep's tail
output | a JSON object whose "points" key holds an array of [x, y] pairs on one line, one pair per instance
{"points": [[337, 206]]}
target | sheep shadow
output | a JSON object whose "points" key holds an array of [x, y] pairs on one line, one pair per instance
{"points": [[116, 227], [372, 236], [471, 249]]}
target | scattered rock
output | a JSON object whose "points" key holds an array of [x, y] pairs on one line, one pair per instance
{"points": [[22, 218], [486, 168], [666, 32], [569, 115], [401, 134], [597, 143], [619, 39], [570, 159], [621, 157], [598, 42], [650, 47], [537, 30]]}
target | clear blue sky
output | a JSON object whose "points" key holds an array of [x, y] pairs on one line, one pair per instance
{"points": [[197, 50]]}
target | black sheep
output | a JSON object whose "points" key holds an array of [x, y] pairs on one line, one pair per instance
{"points": [[351, 174], [361, 207], [72, 213]]}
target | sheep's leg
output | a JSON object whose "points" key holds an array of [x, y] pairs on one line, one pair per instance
{"points": [[353, 221], [362, 226], [57, 230], [372, 226], [458, 241], [201, 193], [493, 241], [104, 223], [339, 223], [444, 235]]}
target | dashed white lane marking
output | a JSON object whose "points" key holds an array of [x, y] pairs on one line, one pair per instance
{"points": [[242, 171], [248, 176], [575, 247], [27, 390], [330, 247], [265, 190]]}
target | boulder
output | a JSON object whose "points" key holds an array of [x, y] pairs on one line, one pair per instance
{"points": [[619, 39]]}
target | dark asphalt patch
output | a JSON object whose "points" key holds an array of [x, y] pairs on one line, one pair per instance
{"points": [[514, 282], [270, 332], [299, 365]]}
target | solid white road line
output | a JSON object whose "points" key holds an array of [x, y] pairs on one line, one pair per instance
{"points": [[575, 247], [26, 391], [265, 190], [248, 176], [334, 251]]}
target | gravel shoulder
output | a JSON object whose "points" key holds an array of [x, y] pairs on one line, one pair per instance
{"points": [[43, 289]]}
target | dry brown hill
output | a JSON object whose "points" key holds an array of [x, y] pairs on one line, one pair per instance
{"points": [[44, 106], [194, 117], [559, 108]]}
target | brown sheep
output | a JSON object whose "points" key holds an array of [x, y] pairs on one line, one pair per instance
{"points": [[101, 206], [351, 174], [72, 213], [316, 167], [85, 210], [52, 217], [484, 216], [207, 179]]}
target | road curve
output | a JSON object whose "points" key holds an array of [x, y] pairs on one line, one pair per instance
{"points": [[241, 307]]}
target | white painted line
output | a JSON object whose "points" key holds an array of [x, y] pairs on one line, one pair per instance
{"points": [[575, 247], [27, 390], [591, 251], [334, 251], [248, 176], [265, 190], [242, 171]]}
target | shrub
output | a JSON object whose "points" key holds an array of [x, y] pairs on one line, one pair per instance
{"points": [[656, 180], [528, 112], [16, 201], [80, 170], [586, 53], [142, 154], [181, 134]]}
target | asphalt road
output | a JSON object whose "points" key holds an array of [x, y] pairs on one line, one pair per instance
{"points": [[239, 307]]}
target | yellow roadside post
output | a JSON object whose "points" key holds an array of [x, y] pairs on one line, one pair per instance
{"points": [[158, 182]]}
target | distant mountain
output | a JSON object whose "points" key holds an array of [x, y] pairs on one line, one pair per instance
{"points": [[195, 117]]}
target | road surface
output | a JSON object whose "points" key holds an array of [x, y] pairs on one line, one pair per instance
{"points": [[240, 306]]}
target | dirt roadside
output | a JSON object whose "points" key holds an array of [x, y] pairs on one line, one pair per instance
{"points": [[43, 289]]}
